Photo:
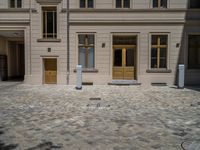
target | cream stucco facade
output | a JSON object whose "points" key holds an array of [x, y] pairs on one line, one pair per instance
{"points": [[104, 21]]}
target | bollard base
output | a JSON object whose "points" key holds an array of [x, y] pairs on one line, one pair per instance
{"points": [[78, 88]]}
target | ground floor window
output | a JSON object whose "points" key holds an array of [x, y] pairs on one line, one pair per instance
{"points": [[159, 46], [86, 50], [194, 51]]}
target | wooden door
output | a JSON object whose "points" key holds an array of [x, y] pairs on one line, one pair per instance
{"points": [[50, 71]]}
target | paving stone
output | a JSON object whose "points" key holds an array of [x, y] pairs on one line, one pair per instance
{"points": [[117, 117]]}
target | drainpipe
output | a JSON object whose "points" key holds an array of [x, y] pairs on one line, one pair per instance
{"points": [[68, 52], [30, 35]]}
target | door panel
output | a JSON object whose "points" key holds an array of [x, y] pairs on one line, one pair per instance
{"points": [[50, 71], [123, 63]]}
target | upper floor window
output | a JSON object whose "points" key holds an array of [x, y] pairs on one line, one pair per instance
{"points": [[194, 52], [159, 3], [86, 50], [159, 46], [122, 3], [86, 3], [15, 3], [49, 22], [195, 4]]}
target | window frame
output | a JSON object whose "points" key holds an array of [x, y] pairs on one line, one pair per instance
{"points": [[168, 50], [159, 7], [94, 47], [55, 35], [86, 3], [187, 52], [9, 4], [123, 5]]}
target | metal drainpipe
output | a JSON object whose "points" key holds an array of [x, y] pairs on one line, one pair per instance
{"points": [[68, 52], [30, 35]]}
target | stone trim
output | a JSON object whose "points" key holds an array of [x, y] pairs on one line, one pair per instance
{"points": [[48, 40], [159, 71], [16, 10], [48, 2]]}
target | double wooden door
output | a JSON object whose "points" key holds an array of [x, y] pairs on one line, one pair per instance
{"points": [[123, 63]]}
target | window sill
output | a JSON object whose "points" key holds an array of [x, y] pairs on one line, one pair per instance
{"points": [[159, 71], [48, 40], [85, 70]]}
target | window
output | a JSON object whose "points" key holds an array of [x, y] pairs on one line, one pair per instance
{"points": [[159, 51], [194, 52], [122, 3], [15, 3], [159, 3], [86, 50], [49, 22], [86, 3], [195, 4]]}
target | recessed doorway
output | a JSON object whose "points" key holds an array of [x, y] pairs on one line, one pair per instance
{"points": [[124, 57], [50, 70]]}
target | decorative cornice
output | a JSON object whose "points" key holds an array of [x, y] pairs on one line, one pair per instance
{"points": [[16, 10], [48, 2], [124, 10]]}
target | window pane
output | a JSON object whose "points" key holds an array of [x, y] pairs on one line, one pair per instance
{"points": [[90, 57], [154, 58], [155, 3], [19, 3], [126, 3], [163, 58], [12, 3], [82, 53], [81, 39], [163, 39], [129, 57], [194, 52], [124, 40], [90, 4], [118, 3], [163, 63], [44, 25], [118, 57], [90, 39], [55, 24], [82, 3], [153, 63], [163, 3], [194, 3], [50, 24], [154, 40]]}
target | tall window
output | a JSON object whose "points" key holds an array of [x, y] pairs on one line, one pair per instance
{"points": [[194, 51], [159, 45], [86, 50], [86, 3], [122, 3], [195, 4], [49, 22], [15, 3], [159, 3]]}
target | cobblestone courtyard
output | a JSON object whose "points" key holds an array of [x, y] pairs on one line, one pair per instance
{"points": [[125, 118]]}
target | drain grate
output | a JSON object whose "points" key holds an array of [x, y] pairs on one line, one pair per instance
{"points": [[95, 99]]}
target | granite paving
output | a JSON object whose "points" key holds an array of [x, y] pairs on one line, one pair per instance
{"points": [[59, 117]]}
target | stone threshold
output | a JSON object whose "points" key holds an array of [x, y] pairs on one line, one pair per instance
{"points": [[124, 82]]}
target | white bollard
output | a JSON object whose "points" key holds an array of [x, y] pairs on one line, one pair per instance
{"points": [[181, 76], [78, 77]]}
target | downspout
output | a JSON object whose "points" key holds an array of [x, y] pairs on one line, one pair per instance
{"points": [[68, 51], [30, 12]]}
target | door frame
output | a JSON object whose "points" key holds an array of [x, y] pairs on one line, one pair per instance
{"points": [[43, 69], [137, 68]]}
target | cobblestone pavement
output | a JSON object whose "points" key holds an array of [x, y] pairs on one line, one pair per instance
{"points": [[53, 117]]}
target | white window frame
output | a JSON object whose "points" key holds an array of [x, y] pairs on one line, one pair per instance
{"points": [[94, 4], [151, 5], [114, 6]]}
